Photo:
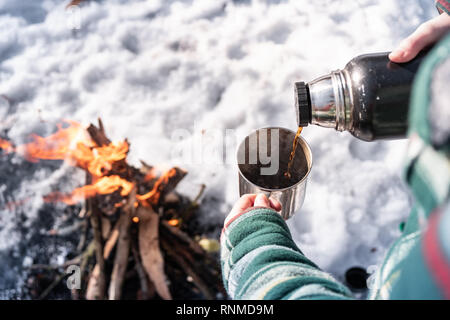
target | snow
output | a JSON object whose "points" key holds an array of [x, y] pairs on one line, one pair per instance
{"points": [[177, 77]]}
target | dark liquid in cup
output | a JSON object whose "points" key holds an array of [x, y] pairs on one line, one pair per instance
{"points": [[292, 155], [293, 160]]}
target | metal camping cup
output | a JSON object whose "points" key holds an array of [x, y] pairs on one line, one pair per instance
{"points": [[263, 159]]}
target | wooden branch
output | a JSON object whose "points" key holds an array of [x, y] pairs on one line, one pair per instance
{"points": [[100, 282], [199, 195], [120, 167], [77, 260], [92, 290], [189, 211], [52, 286], [67, 230], [173, 180], [147, 289], [70, 262], [106, 227], [112, 239], [101, 127], [189, 270], [123, 249], [202, 266], [88, 252], [182, 237], [95, 285], [98, 134], [192, 258], [164, 185], [83, 236], [145, 166], [149, 249]]}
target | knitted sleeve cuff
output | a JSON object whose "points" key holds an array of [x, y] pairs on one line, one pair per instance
{"points": [[260, 260], [443, 6]]}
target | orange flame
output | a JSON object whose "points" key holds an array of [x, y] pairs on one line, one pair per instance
{"points": [[74, 145], [101, 158], [104, 185], [153, 195], [135, 219], [6, 145], [173, 222], [151, 174], [57, 146]]}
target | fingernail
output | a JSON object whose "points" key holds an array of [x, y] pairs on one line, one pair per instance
{"points": [[397, 55], [261, 200], [261, 197]]}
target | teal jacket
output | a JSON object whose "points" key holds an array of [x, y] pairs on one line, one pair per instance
{"points": [[261, 261]]}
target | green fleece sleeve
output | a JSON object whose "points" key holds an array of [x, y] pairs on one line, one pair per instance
{"points": [[443, 6], [417, 265], [428, 263], [261, 261]]}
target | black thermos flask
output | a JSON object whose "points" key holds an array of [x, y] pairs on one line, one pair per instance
{"points": [[369, 97]]}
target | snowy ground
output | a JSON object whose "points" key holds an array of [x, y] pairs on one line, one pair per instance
{"points": [[158, 70]]}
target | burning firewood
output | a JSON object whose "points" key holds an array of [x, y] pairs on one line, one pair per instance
{"points": [[123, 249], [94, 287], [138, 223], [150, 252], [95, 222]]}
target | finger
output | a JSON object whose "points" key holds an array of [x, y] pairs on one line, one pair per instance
{"points": [[262, 201], [397, 55], [275, 204], [412, 45], [244, 202], [427, 34]]}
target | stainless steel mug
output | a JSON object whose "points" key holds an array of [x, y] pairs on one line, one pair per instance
{"points": [[263, 159]]}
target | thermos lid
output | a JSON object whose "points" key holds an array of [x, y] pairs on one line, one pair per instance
{"points": [[302, 105]]}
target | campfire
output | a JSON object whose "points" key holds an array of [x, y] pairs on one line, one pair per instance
{"points": [[138, 226]]}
